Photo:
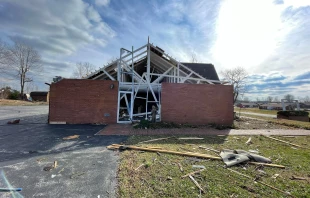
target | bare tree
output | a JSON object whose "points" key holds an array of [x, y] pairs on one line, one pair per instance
{"points": [[194, 58], [289, 97], [83, 69], [269, 98], [236, 77], [276, 99], [307, 99], [21, 61], [246, 99], [30, 87], [2, 54]]}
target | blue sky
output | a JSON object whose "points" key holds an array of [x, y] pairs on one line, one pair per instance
{"points": [[270, 39]]}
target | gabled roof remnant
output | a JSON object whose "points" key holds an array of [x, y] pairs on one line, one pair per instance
{"points": [[160, 63], [206, 70]]}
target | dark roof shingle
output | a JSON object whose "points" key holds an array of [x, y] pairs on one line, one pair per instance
{"points": [[205, 70]]}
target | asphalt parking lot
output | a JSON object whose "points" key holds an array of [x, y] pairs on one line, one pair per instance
{"points": [[85, 167]]}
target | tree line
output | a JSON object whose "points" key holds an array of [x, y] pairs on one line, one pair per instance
{"points": [[287, 97]]}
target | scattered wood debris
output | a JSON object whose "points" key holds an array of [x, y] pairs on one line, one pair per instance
{"points": [[189, 154], [55, 164], [210, 149], [199, 166], [61, 170], [48, 168], [154, 147], [139, 167], [14, 122], [275, 176], [180, 167], [249, 141], [193, 173], [71, 137], [196, 183], [153, 140], [277, 189], [283, 141], [300, 178]]}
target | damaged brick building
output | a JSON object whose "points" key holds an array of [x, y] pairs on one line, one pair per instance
{"points": [[126, 90]]}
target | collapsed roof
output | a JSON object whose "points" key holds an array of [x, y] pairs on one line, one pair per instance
{"points": [[163, 68]]}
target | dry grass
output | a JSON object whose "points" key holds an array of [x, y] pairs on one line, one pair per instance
{"points": [[256, 110], [160, 175], [289, 123], [6, 102]]}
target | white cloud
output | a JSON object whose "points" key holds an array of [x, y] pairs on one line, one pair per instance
{"points": [[51, 27], [297, 3], [102, 2]]}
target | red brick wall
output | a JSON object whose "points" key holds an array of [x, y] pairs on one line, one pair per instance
{"points": [[81, 101], [197, 103]]}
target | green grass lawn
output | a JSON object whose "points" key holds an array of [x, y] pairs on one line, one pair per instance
{"points": [[257, 110], [160, 175]]}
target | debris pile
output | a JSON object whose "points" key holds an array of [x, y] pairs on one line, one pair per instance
{"points": [[233, 157], [14, 122], [250, 158], [228, 156]]}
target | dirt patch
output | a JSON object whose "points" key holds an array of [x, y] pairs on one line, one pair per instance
{"points": [[246, 123]]}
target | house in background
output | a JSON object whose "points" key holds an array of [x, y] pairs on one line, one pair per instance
{"points": [[304, 105], [141, 80], [275, 106], [39, 96], [247, 105]]}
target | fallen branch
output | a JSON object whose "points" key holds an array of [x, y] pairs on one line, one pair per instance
{"points": [[192, 173], [277, 189], [189, 154], [196, 183], [139, 167], [264, 164], [299, 178], [283, 141], [154, 147], [210, 149], [180, 167], [249, 141]]}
